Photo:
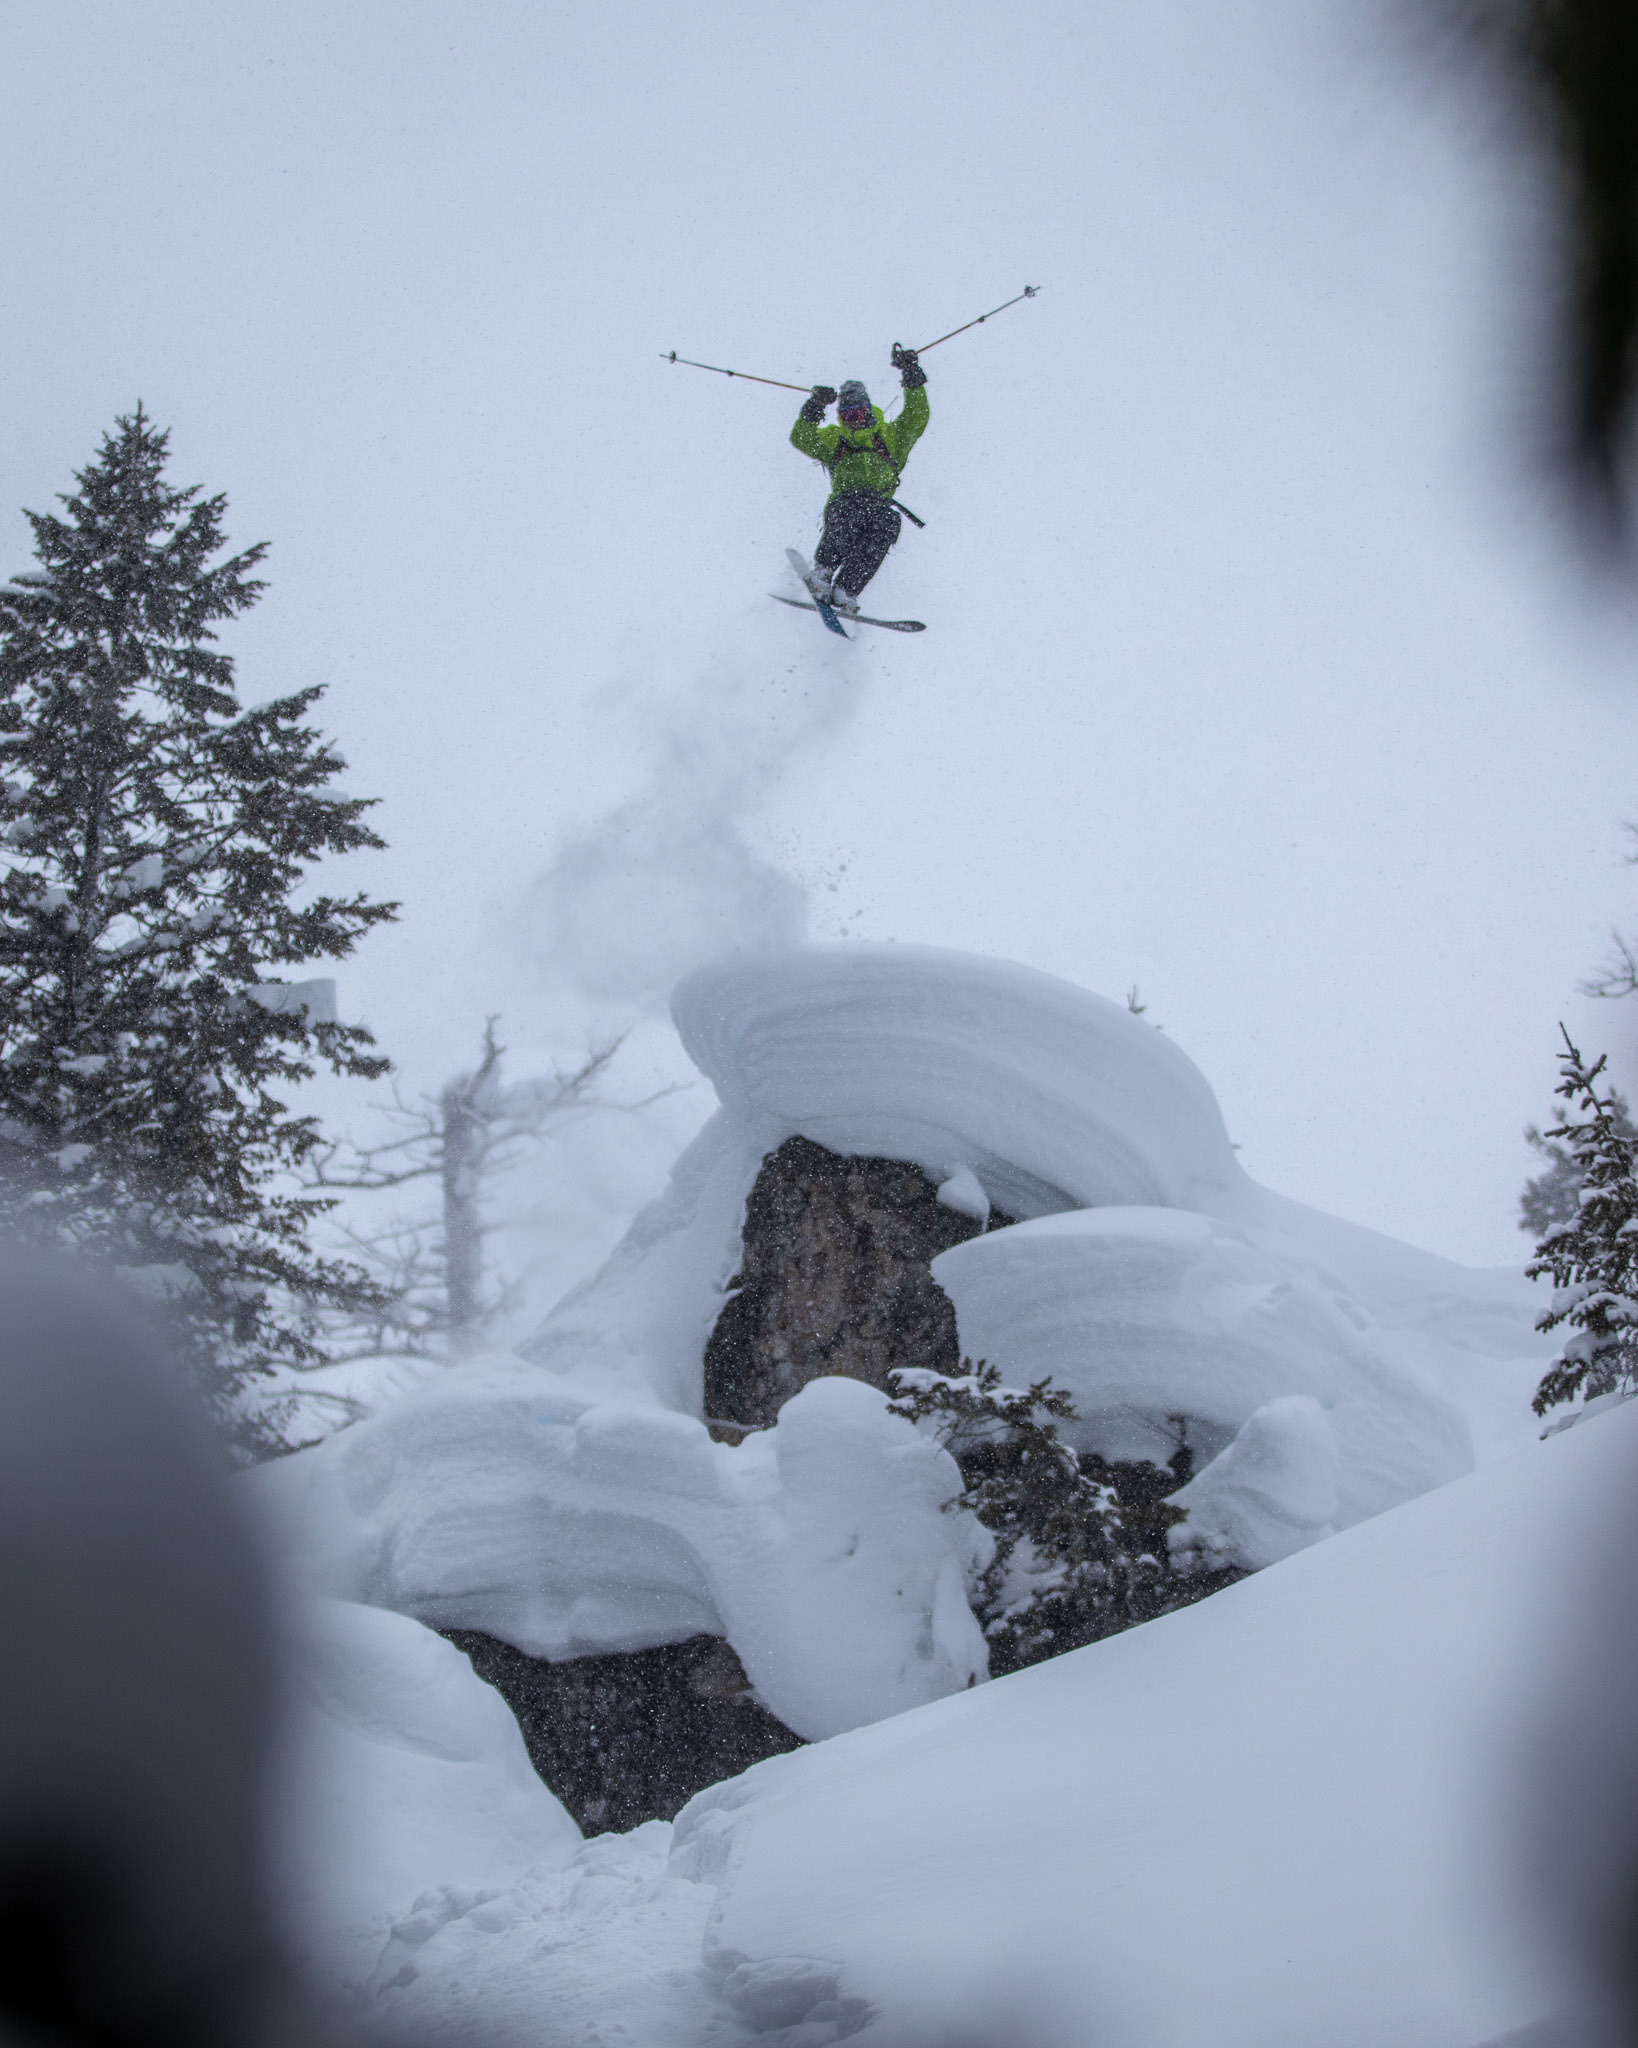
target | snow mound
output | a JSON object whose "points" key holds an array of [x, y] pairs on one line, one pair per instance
{"points": [[1271, 1492], [1052, 1097], [1282, 1817], [406, 1773], [1148, 1314], [562, 1525]]}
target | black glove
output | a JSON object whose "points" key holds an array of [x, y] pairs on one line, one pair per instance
{"points": [[814, 408], [908, 364]]}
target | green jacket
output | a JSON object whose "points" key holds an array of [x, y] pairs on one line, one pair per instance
{"points": [[850, 454]]}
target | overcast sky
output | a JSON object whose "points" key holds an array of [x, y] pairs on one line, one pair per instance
{"points": [[1254, 675]]}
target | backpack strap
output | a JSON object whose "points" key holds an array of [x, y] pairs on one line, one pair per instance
{"points": [[846, 448]]}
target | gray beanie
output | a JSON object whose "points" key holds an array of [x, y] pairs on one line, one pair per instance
{"points": [[851, 394]]}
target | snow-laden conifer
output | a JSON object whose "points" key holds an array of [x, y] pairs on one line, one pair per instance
{"points": [[1592, 1258], [161, 838], [1554, 1195], [1072, 1562]]}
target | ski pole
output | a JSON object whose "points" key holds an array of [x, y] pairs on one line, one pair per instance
{"points": [[1028, 292], [777, 382]]}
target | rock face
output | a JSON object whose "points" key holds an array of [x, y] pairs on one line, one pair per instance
{"points": [[632, 1736], [834, 1279]]}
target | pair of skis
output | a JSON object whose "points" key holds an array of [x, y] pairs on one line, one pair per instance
{"points": [[814, 602]]}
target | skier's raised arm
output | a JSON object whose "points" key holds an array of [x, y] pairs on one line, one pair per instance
{"points": [[808, 435], [903, 433]]}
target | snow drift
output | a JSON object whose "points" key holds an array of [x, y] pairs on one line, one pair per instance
{"points": [[562, 1525], [404, 1772], [1053, 1097], [1148, 1314], [1286, 1816]]}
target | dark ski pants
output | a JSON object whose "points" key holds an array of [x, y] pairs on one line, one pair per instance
{"points": [[860, 527]]}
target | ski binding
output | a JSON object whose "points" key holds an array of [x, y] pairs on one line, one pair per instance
{"points": [[828, 612]]}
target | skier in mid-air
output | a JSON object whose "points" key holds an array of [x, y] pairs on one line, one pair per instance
{"points": [[864, 455]]}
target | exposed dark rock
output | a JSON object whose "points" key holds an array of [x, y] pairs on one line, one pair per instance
{"points": [[834, 1279], [631, 1736]]}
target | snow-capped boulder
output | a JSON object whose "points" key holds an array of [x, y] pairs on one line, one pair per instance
{"points": [[1146, 1315], [572, 1501], [835, 1277], [1011, 1088], [1004, 1085]]}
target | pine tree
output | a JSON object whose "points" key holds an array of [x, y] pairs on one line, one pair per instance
{"points": [[1592, 1258], [161, 838], [1554, 1195], [1073, 1560]]}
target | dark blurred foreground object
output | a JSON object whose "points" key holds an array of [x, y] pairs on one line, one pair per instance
{"points": [[136, 1703], [1579, 59], [1584, 1776]]}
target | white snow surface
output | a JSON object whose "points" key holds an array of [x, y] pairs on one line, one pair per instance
{"points": [[405, 1773], [1288, 1815], [513, 1503], [1272, 1491], [1055, 1098], [1147, 1313], [569, 1500]]}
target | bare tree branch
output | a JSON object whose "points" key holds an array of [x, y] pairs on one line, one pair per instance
{"points": [[430, 1264]]}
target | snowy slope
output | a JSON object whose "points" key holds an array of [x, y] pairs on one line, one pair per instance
{"points": [[1281, 1818]]}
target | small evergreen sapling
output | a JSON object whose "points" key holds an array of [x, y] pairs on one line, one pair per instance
{"points": [[160, 839], [1071, 1564], [1592, 1258]]}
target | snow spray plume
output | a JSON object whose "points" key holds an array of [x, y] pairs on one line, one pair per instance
{"points": [[667, 880]]}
